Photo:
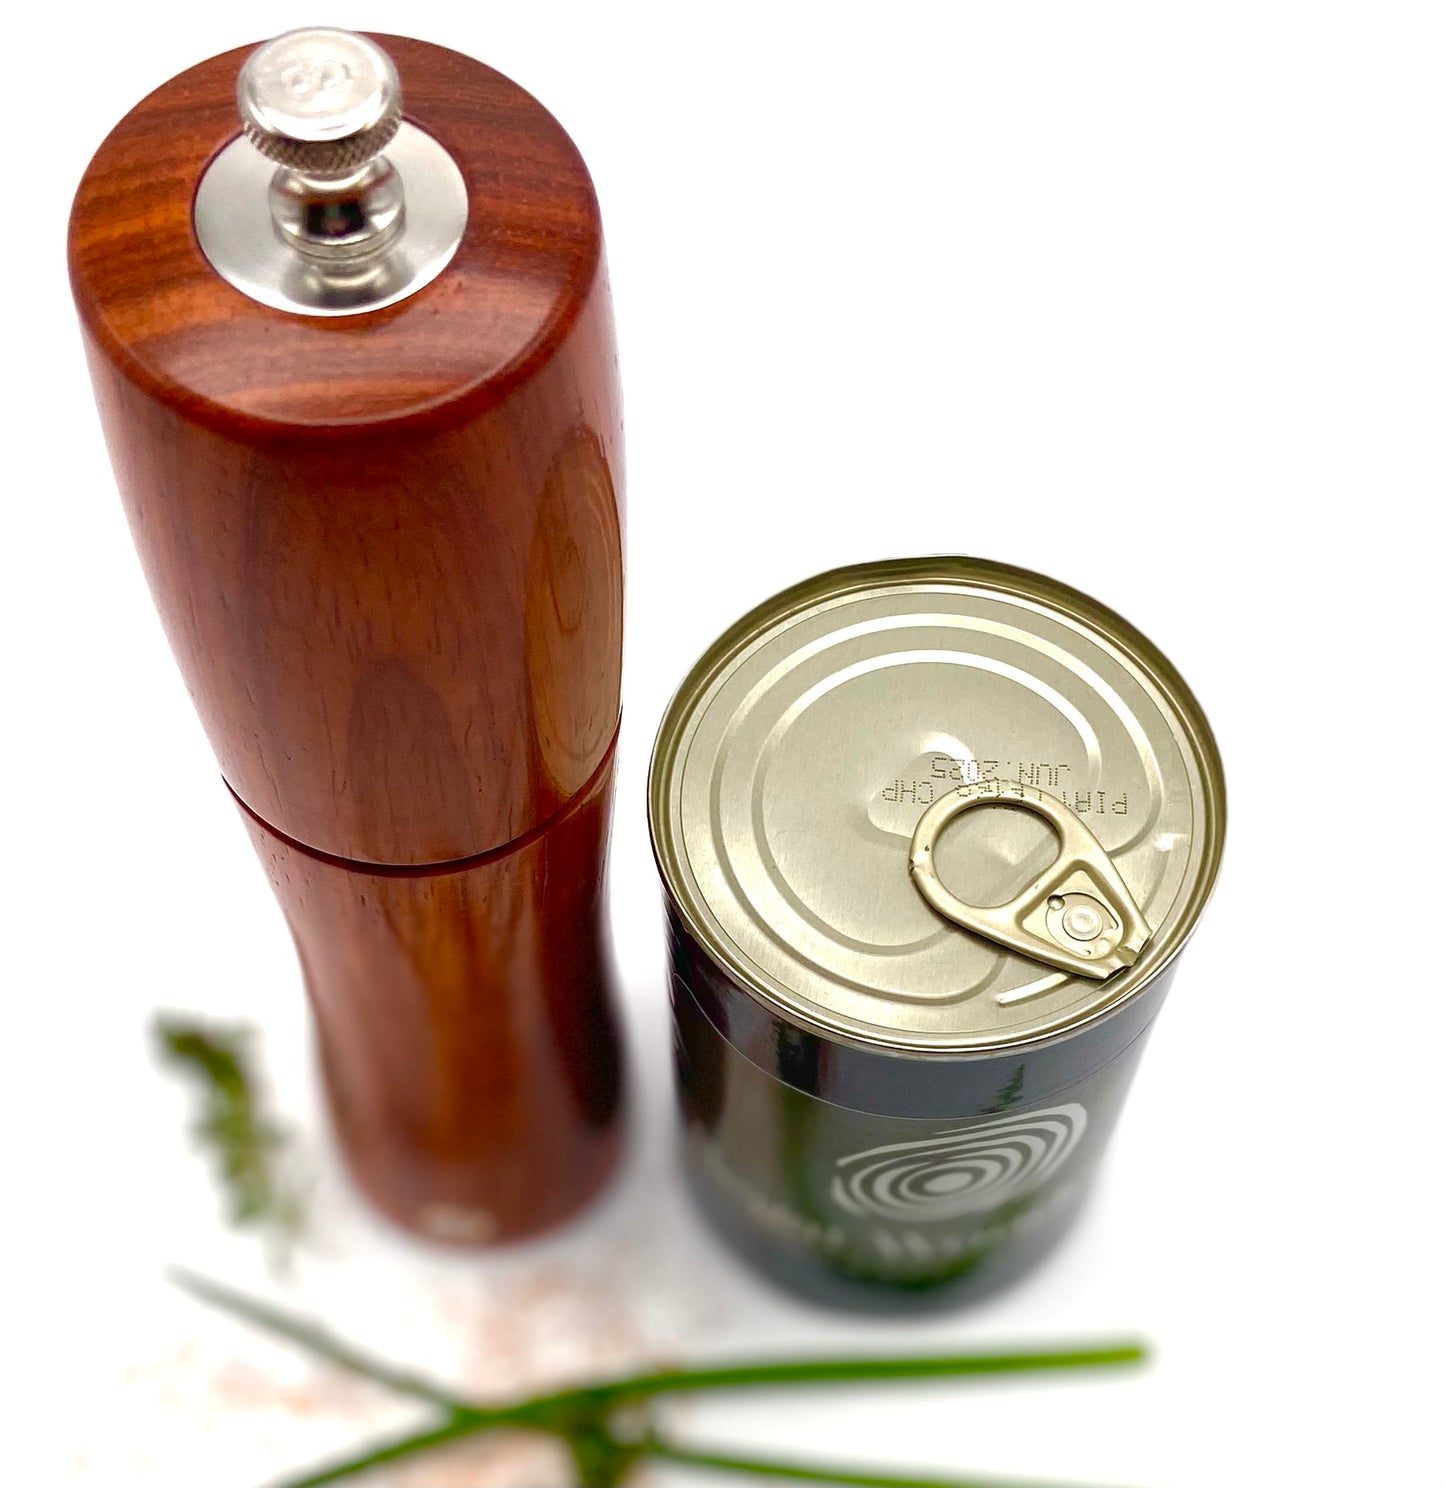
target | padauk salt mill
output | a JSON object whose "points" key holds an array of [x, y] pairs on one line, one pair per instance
{"points": [[353, 353]]}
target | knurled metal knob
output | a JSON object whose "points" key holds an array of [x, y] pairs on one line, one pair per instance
{"points": [[319, 101], [330, 203]]}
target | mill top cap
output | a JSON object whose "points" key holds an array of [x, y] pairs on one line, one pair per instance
{"points": [[937, 805], [367, 431]]}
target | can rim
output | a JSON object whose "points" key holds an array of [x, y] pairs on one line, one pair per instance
{"points": [[979, 573]]}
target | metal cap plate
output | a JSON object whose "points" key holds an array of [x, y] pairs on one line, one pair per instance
{"points": [[797, 760]]}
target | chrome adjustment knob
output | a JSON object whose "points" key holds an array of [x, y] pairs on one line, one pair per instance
{"points": [[331, 204], [323, 105], [320, 101]]}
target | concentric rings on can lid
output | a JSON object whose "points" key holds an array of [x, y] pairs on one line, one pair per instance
{"points": [[794, 765]]}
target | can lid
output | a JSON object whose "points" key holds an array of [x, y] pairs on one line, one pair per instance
{"points": [[938, 805]]}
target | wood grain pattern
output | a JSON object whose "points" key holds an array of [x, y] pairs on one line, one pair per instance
{"points": [[464, 1024], [387, 550], [345, 521]]}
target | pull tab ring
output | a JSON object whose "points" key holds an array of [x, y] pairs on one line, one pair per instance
{"points": [[1077, 915]]}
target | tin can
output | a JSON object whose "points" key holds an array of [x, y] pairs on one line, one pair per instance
{"points": [[932, 834]]}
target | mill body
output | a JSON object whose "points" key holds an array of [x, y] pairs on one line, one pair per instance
{"points": [[365, 420]]}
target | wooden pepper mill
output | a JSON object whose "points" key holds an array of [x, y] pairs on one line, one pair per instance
{"points": [[358, 381]]}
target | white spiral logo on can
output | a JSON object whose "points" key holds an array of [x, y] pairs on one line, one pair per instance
{"points": [[960, 1171]]}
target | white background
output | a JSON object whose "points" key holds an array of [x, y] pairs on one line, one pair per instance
{"points": [[1148, 297]]}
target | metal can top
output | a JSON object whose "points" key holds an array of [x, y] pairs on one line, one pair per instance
{"points": [[812, 792]]}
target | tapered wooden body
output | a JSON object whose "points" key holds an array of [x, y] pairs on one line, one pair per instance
{"points": [[387, 551], [467, 1041]]}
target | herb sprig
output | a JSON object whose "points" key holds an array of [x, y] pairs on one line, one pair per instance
{"points": [[250, 1149], [606, 1426]]}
